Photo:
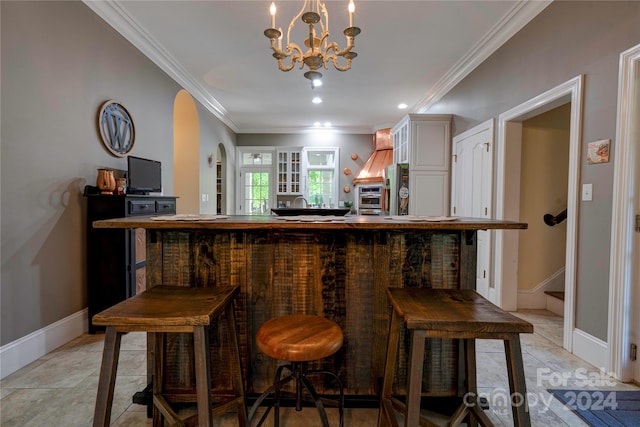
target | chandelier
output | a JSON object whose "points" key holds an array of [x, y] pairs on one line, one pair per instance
{"points": [[320, 52]]}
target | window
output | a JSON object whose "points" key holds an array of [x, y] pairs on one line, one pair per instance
{"points": [[257, 158], [321, 173]]}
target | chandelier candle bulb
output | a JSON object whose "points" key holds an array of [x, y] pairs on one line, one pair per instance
{"points": [[272, 10], [352, 8]]}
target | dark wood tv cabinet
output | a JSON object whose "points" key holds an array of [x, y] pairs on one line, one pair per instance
{"points": [[116, 259]]}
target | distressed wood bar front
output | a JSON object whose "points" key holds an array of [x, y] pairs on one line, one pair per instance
{"points": [[338, 269]]}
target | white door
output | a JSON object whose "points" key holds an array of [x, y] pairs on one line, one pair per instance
{"points": [[472, 171], [256, 191]]}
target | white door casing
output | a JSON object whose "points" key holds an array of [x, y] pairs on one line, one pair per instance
{"points": [[624, 276], [507, 197], [635, 296], [471, 192]]}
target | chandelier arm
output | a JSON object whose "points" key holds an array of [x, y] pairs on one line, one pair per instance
{"points": [[334, 59], [293, 20], [277, 52], [289, 67], [324, 25], [293, 51], [345, 67], [329, 55], [333, 47]]}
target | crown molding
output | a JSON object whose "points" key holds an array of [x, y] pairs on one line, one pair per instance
{"points": [[118, 18], [519, 16]]}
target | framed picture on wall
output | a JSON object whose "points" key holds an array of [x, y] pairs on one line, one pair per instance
{"points": [[598, 151]]}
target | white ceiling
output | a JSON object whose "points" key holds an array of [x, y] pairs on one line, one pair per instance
{"points": [[408, 51]]}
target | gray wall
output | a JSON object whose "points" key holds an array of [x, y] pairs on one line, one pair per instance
{"points": [[60, 62], [565, 40], [212, 133], [360, 144]]}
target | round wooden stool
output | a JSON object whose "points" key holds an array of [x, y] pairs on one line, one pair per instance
{"points": [[298, 339]]}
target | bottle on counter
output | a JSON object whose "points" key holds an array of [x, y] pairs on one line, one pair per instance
{"points": [[403, 197]]}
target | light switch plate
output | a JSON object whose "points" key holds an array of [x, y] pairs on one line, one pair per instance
{"points": [[587, 192]]}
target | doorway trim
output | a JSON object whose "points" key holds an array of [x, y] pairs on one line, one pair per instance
{"points": [[507, 195], [622, 218]]}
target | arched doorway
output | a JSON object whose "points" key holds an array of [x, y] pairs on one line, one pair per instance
{"points": [[186, 153], [221, 180]]}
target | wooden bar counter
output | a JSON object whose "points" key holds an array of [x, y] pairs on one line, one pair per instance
{"points": [[337, 268]]}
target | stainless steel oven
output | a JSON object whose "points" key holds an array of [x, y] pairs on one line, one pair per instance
{"points": [[370, 199]]}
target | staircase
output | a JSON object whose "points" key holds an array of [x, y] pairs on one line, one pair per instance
{"points": [[555, 302]]}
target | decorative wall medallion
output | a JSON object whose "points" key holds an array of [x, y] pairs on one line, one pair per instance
{"points": [[116, 128]]}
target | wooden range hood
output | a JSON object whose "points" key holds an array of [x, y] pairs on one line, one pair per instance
{"points": [[374, 169]]}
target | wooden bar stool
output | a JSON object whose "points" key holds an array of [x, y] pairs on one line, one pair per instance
{"points": [[163, 309], [298, 339], [447, 313]]}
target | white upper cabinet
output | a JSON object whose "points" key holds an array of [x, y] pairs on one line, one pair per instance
{"points": [[423, 141], [430, 144], [289, 172], [401, 142]]}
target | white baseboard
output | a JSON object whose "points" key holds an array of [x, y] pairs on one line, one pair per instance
{"points": [[21, 352], [591, 349], [535, 298]]}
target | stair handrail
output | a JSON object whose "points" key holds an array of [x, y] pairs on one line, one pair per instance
{"points": [[551, 220]]}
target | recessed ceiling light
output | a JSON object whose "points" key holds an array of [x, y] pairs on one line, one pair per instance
{"points": [[316, 100], [317, 124], [402, 106], [327, 124]]}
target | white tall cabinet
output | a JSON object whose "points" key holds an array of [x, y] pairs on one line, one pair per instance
{"points": [[423, 142]]}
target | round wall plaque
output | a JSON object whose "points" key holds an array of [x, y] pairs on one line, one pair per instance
{"points": [[116, 128]]}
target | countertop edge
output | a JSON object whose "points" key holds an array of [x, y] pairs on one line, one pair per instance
{"points": [[239, 222]]}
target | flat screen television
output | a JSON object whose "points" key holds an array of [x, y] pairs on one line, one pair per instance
{"points": [[144, 175]]}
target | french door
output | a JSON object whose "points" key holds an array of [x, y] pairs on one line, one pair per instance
{"points": [[256, 191]]}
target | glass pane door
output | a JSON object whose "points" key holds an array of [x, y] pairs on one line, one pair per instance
{"points": [[256, 191]]}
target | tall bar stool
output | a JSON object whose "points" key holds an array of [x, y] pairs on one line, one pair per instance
{"points": [[299, 339], [447, 313], [163, 309]]}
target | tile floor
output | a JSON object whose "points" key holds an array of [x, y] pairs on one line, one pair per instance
{"points": [[59, 389]]}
